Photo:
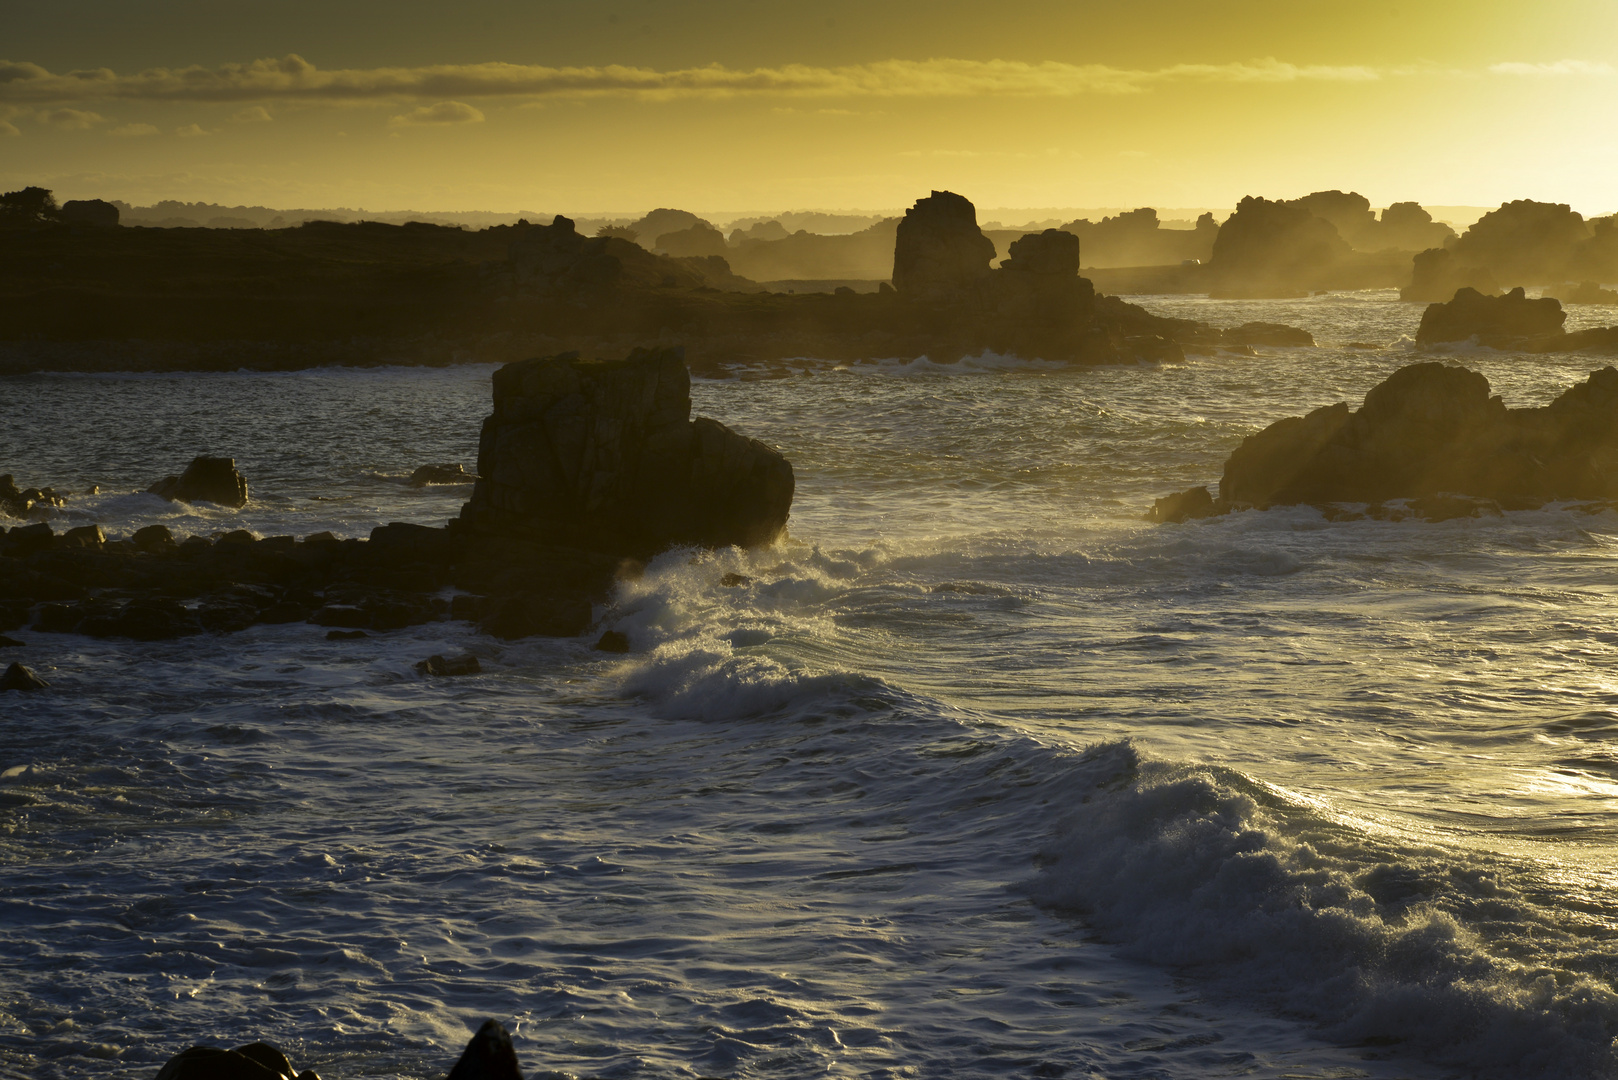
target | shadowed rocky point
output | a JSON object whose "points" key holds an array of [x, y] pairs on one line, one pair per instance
{"points": [[1430, 433], [587, 467]]}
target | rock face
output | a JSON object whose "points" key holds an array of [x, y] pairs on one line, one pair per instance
{"points": [[206, 479], [605, 456], [1493, 320], [1436, 274], [940, 251], [1431, 429]]}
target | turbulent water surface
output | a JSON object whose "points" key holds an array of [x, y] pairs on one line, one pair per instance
{"points": [[979, 776]]}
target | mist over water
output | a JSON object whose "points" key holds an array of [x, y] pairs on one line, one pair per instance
{"points": [[979, 775]]}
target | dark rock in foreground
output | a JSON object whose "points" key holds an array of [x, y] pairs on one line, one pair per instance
{"points": [[206, 479], [488, 1056], [18, 677], [1433, 434], [1493, 320], [605, 456], [16, 502]]}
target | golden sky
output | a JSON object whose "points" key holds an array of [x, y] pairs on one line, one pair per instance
{"points": [[605, 106]]}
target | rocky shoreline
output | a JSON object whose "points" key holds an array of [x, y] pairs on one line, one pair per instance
{"points": [[585, 468]]}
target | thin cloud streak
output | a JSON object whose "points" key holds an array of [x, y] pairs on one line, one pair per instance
{"points": [[293, 77]]}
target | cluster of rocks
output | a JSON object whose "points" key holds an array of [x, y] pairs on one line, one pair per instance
{"points": [[488, 1056], [1431, 434], [17, 502], [585, 468]]}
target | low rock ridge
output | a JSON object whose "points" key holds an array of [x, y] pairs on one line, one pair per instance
{"points": [[1431, 433], [1511, 321], [585, 469], [605, 455]]}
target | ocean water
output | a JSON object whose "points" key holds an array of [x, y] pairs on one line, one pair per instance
{"points": [[979, 776]]}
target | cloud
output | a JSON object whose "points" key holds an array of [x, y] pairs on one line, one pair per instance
{"points": [[133, 129], [191, 131], [293, 77], [1559, 68], [71, 119], [7, 129], [255, 114], [445, 112]]}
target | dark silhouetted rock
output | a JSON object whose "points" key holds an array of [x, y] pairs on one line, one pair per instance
{"points": [[1432, 430], [1191, 503], [449, 667], [91, 213], [85, 536], [18, 677], [11, 642], [16, 502], [1493, 320], [255, 1061], [1349, 213], [604, 456], [1274, 249], [154, 538], [1267, 333], [939, 251], [489, 1056], [346, 635], [454, 473], [613, 641], [1050, 252], [1526, 242], [206, 479], [1436, 275]]}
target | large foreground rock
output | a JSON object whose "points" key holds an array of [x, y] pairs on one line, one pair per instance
{"points": [[1430, 429], [605, 456], [1493, 320], [206, 479]]}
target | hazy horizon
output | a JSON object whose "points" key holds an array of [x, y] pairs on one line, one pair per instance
{"points": [[733, 104]]}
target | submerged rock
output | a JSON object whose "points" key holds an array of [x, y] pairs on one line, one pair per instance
{"points": [[1267, 333], [604, 456], [206, 479], [451, 473], [448, 667], [1493, 320]]}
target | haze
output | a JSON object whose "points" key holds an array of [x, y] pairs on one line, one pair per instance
{"points": [[747, 105]]}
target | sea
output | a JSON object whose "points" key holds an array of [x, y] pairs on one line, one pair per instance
{"points": [[974, 774]]}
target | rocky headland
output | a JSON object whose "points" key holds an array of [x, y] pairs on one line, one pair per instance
{"points": [[1432, 436], [585, 468], [81, 298]]}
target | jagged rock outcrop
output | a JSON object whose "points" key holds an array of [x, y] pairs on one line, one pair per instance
{"points": [[1431, 429], [1436, 274], [939, 251], [1274, 249], [1052, 252], [206, 479], [1494, 320], [605, 456]]}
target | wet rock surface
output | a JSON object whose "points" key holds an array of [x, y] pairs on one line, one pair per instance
{"points": [[1434, 435], [206, 479]]}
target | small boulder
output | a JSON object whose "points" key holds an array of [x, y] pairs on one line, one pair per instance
{"points": [[1191, 503], [18, 677], [255, 1061], [613, 641], [448, 667], [489, 1056], [30, 539], [206, 479], [453, 473], [153, 539], [85, 536]]}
